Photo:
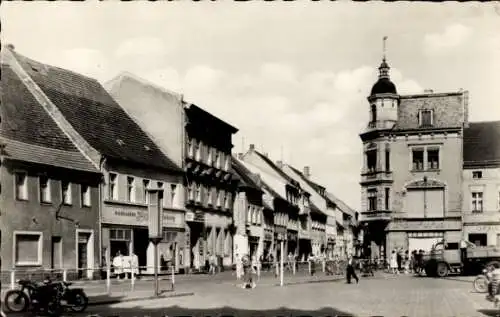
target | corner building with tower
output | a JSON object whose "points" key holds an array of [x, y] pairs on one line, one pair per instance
{"points": [[411, 174]]}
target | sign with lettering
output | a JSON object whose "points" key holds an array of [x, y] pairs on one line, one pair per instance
{"points": [[422, 225], [138, 216], [482, 228]]}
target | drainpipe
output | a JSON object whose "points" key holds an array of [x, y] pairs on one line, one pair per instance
{"points": [[101, 206]]}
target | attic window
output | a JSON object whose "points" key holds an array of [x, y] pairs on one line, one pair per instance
{"points": [[147, 148], [426, 118], [120, 142]]}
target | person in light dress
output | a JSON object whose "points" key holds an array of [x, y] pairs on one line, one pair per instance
{"points": [[393, 262]]}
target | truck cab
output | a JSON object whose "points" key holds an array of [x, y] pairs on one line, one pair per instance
{"points": [[445, 257]]}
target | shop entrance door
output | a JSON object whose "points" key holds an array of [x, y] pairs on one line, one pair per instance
{"points": [[83, 255], [141, 243]]}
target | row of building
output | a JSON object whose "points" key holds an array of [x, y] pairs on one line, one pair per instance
{"points": [[77, 159], [428, 174]]}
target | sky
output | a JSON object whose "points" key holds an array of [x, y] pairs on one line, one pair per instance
{"points": [[292, 77]]}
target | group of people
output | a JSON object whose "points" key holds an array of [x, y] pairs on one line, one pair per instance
{"points": [[402, 262]]}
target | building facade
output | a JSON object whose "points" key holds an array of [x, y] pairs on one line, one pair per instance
{"points": [[160, 113], [291, 204], [251, 236], [481, 183], [49, 217], [129, 160], [412, 173], [210, 189]]}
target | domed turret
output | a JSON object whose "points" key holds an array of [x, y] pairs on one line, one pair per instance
{"points": [[383, 99], [384, 85]]}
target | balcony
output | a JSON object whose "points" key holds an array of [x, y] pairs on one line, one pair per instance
{"points": [[481, 216], [375, 215], [376, 176]]}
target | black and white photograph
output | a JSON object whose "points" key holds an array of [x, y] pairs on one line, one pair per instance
{"points": [[249, 158]]}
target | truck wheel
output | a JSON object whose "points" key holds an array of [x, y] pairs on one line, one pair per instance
{"points": [[442, 269]]}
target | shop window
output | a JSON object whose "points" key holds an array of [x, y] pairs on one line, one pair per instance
{"points": [[28, 248], [66, 192], [21, 184], [479, 239], [44, 189]]}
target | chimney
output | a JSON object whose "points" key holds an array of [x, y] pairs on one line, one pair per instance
{"points": [[428, 91], [307, 171], [240, 156], [252, 147], [279, 164]]}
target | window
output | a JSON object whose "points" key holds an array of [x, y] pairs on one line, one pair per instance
{"points": [[387, 161], [66, 192], [85, 195], [21, 183], [477, 174], [249, 214], [227, 200], [479, 239], [219, 197], [371, 160], [28, 248], [159, 185], [191, 191], [227, 162], [426, 118], [198, 192], [216, 159], [145, 186], [113, 187], [372, 199], [191, 146], [44, 187], [433, 159], [477, 202], [222, 158], [387, 198], [373, 113], [173, 189], [418, 159], [198, 146], [210, 155], [130, 189]]}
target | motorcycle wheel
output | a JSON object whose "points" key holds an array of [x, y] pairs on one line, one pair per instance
{"points": [[480, 284], [79, 302], [16, 301], [54, 309]]}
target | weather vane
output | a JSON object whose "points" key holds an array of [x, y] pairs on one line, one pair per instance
{"points": [[384, 40]]}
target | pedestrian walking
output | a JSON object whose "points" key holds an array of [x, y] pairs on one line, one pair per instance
{"points": [[393, 263], [351, 271], [399, 259], [312, 260], [247, 268], [406, 262]]}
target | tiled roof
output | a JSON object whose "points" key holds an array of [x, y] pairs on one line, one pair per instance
{"points": [[269, 183], [243, 175], [482, 144], [28, 131], [276, 168], [28, 152], [95, 115]]}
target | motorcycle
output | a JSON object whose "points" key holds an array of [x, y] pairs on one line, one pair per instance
{"points": [[49, 297], [41, 297], [481, 282]]}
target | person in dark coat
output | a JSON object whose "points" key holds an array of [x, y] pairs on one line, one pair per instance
{"points": [[351, 271]]}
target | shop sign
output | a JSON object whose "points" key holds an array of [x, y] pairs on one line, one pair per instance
{"points": [[423, 225], [138, 216], [482, 229], [189, 216], [268, 236]]}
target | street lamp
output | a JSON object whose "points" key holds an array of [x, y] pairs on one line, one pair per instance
{"points": [[155, 228]]}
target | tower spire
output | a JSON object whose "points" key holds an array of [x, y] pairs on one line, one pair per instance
{"points": [[384, 67]]}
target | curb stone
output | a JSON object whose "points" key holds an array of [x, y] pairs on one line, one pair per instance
{"points": [[133, 299]]}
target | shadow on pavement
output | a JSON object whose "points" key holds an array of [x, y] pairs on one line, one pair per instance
{"points": [[490, 312], [176, 311]]}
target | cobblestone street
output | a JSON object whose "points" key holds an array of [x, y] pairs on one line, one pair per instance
{"points": [[383, 295]]}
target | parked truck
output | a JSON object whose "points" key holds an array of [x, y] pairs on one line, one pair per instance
{"points": [[447, 257]]}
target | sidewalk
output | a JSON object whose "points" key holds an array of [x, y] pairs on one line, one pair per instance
{"points": [[185, 285]]}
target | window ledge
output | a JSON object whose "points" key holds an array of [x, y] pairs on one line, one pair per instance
{"points": [[46, 203], [22, 199], [25, 264]]}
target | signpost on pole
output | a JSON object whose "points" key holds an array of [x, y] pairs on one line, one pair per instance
{"points": [[155, 229]]}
